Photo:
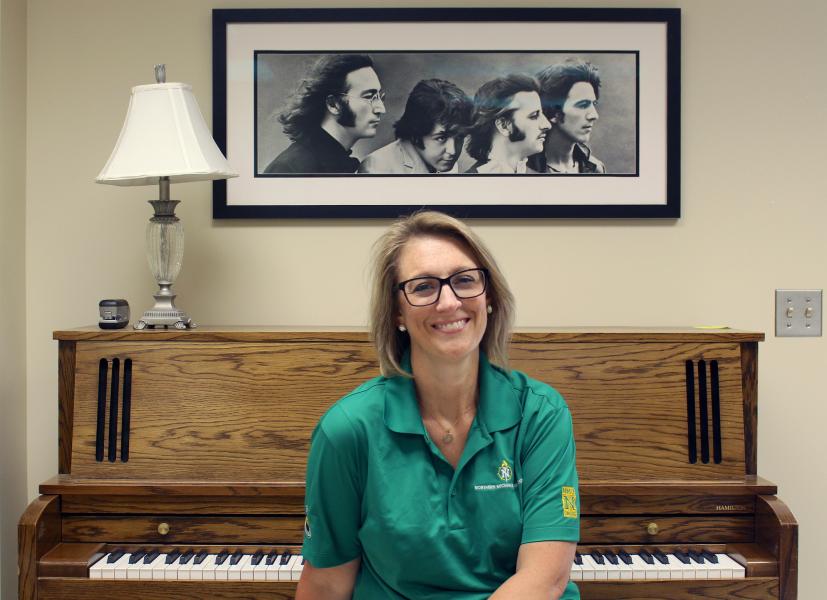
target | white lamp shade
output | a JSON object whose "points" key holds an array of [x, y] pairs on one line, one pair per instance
{"points": [[164, 135]]}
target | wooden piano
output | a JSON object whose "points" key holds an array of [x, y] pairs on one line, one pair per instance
{"points": [[194, 442]]}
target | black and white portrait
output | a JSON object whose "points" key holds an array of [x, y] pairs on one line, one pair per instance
{"points": [[446, 113]]}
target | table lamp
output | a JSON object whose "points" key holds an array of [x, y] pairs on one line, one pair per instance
{"points": [[164, 139]]}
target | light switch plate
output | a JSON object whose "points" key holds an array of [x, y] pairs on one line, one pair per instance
{"points": [[798, 313]]}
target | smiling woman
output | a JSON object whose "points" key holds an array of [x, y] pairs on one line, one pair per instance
{"points": [[448, 450]]}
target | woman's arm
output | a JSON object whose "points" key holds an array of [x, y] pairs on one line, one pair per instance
{"points": [[543, 570], [333, 583]]}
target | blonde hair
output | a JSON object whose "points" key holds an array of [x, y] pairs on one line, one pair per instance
{"points": [[384, 304]]}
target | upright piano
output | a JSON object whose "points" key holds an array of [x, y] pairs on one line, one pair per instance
{"points": [[182, 459]]}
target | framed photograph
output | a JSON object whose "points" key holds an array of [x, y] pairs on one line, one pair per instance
{"points": [[482, 113]]}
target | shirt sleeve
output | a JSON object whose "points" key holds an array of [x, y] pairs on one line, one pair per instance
{"points": [[551, 503], [332, 496]]}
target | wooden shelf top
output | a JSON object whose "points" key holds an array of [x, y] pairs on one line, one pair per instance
{"points": [[351, 334]]}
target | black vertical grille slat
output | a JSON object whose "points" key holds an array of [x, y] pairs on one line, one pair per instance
{"points": [[703, 413], [690, 412], [127, 408], [113, 409], [716, 413], [103, 368]]}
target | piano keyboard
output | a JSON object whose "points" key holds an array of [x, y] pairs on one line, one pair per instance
{"points": [[198, 565], [608, 565], [260, 566]]}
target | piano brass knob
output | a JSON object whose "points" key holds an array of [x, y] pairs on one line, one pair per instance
{"points": [[163, 528], [652, 529]]}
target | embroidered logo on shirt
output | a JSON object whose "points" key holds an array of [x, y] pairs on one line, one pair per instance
{"points": [[569, 502], [306, 523], [505, 473]]}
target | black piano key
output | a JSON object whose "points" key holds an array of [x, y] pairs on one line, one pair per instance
{"points": [[236, 557], [598, 558], [682, 556], [647, 558], [151, 556], [186, 557], [696, 556], [661, 557], [200, 557], [115, 556], [222, 557], [257, 558], [271, 558], [285, 558], [136, 556], [173, 556], [578, 559], [710, 557], [303, 560], [625, 557], [610, 556]]}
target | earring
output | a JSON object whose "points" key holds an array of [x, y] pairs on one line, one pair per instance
{"points": [[490, 309], [403, 329]]}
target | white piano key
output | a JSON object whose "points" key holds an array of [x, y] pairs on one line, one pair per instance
{"points": [[272, 572], [260, 570], [640, 569], [576, 573], [598, 569], [122, 566], [235, 570], [159, 566], [249, 568], [298, 567], [145, 570], [197, 570], [95, 571], [171, 570], [222, 570], [185, 571], [208, 567], [624, 570], [285, 571], [727, 562]]}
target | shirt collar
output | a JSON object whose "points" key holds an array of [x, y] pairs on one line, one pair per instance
{"points": [[499, 406]]}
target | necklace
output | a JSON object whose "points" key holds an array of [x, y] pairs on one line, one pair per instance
{"points": [[448, 437]]}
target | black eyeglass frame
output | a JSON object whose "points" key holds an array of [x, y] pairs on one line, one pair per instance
{"points": [[443, 281]]}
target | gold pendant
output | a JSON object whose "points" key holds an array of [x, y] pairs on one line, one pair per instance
{"points": [[447, 438]]}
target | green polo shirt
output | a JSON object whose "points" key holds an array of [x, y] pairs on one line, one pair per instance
{"points": [[379, 489]]}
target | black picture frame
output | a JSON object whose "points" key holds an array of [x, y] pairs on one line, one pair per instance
{"points": [[651, 190]]}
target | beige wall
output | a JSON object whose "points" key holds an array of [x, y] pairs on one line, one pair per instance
{"points": [[753, 210], [13, 494]]}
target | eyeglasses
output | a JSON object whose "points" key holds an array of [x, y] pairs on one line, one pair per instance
{"points": [[424, 291], [374, 98]]}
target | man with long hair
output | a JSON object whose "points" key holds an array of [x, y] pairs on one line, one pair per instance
{"points": [[429, 135], [337, 104], [570, 91], [509, 125]]}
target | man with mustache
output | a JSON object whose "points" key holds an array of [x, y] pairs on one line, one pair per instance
{"points": [[570, 91], [340, 102], [509, 125], [429, 135]]}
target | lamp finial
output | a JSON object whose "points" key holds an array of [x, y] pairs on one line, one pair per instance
{"points": [[160, 73]]}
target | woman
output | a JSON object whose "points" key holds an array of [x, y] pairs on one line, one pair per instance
{"points": [[445, 477]]}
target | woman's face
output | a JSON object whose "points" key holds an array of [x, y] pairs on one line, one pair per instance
{"points": [[451, 329]]}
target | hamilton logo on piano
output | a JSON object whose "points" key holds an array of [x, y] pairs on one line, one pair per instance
{"points": [[505, 472]]}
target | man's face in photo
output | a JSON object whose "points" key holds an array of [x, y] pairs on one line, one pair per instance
{"points": [[361, 107], [579, 113], [441, 148], [529, 124]]}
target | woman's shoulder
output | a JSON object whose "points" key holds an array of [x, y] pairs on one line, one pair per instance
{"points": [[356, 411], [536, 395]]}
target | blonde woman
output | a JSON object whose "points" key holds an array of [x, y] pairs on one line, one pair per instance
{"points": [[444, 478]]}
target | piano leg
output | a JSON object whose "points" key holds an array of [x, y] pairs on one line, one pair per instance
{"points": [[777, 530], [37, 532]]}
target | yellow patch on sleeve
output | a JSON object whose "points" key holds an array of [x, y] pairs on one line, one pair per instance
{"points": [[569, 502]]}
